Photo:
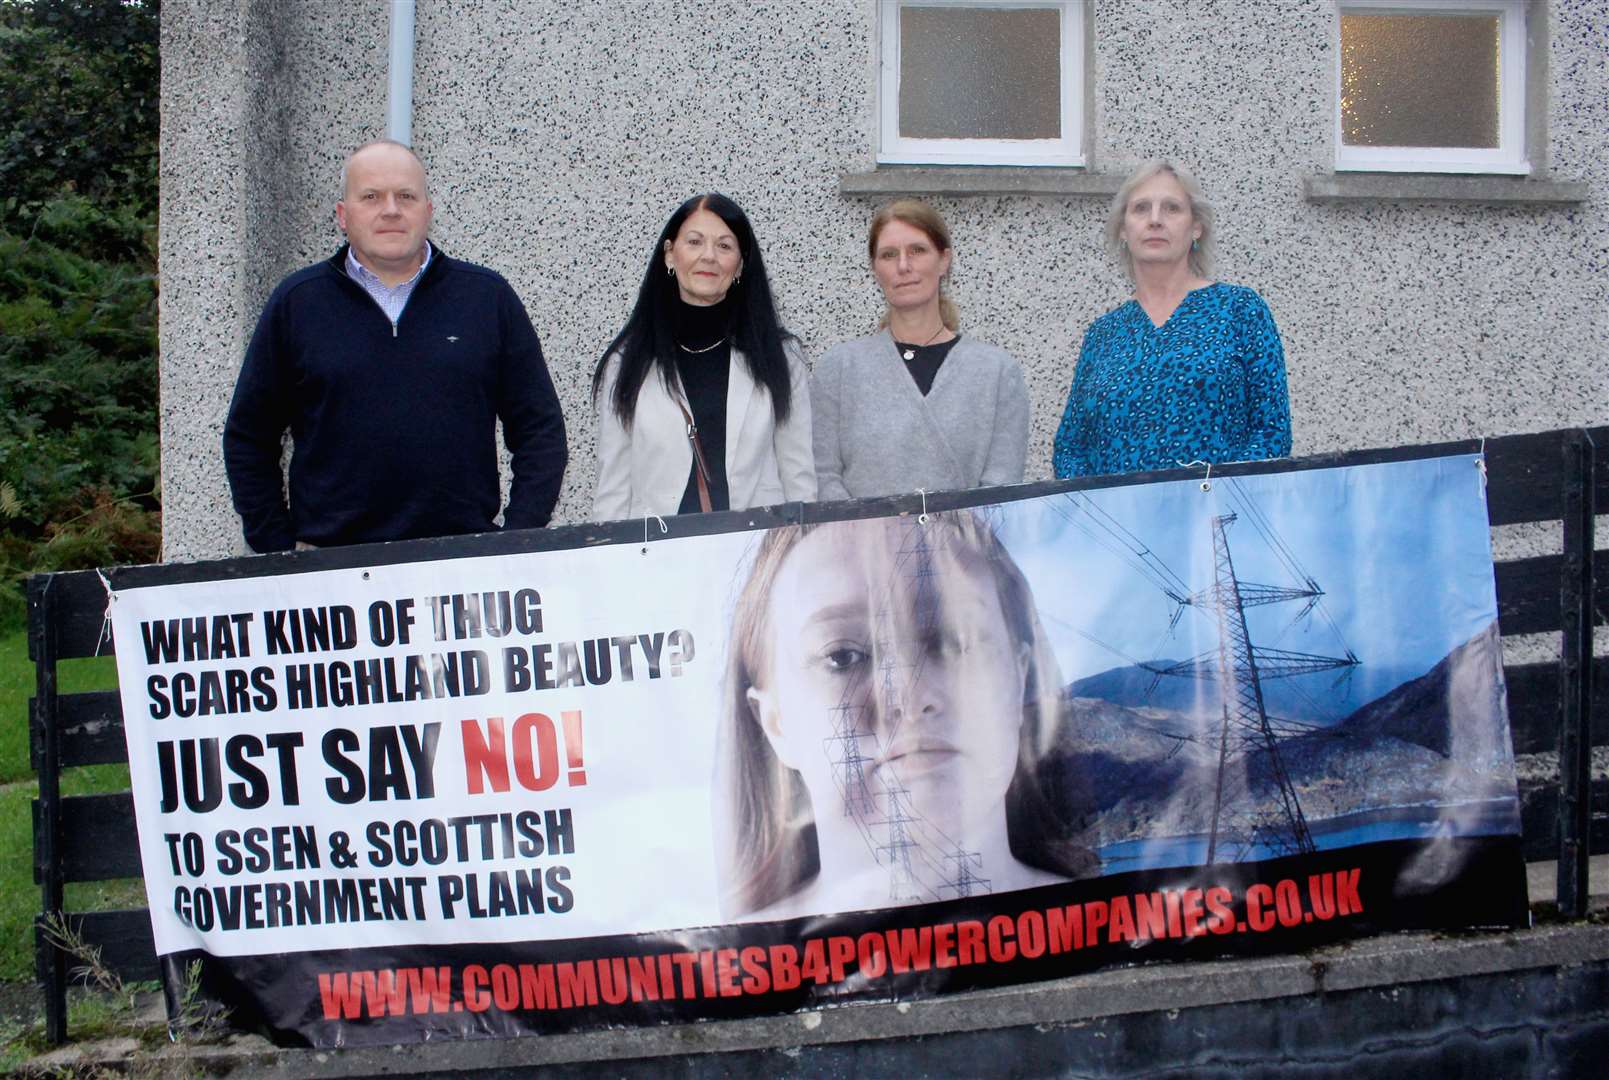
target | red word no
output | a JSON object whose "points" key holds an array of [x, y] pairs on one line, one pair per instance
{"points": [[532, 747]]}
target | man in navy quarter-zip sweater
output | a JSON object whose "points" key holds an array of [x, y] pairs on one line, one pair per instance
{"points": [[390, 365]]}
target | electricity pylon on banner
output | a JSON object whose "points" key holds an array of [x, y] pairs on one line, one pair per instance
{"points": [[1239, 667], [844, 752], [902, 883], [963, 882]]}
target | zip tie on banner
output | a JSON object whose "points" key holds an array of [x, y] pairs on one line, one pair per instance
{"points": [[106, 616], [922, 520], [1480, 462], [663, 528], [1206, 481]]}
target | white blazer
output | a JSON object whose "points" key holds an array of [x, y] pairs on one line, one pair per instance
{"points": [[644, 471]]}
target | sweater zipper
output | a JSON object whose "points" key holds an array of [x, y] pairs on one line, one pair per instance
{"points": [[394, 322]]}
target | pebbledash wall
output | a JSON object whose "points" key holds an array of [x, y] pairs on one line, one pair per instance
{"points": [[559, 134]]}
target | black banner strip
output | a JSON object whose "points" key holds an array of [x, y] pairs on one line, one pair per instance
{"points": [[408, 994]]}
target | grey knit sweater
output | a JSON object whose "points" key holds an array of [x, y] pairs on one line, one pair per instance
{"points": [[875, 434]]}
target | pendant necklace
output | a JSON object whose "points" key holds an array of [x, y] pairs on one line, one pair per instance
{"points": [[909, 351]]}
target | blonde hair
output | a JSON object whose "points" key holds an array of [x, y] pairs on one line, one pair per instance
{"points": [[1201, 210], [918, 215], [766, 846]]}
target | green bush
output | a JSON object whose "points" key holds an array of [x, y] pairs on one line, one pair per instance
{"points": [[79, 94], [77, 376], [78, 368], [78, 402]]}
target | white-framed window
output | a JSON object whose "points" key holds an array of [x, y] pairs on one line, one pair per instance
{"points": [[1430, 86], [981, 82]]}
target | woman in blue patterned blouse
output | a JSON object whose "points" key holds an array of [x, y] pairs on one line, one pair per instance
{"points": [[1190, 369]]}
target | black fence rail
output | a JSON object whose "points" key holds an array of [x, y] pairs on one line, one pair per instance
{"points": [[1556, 476]]}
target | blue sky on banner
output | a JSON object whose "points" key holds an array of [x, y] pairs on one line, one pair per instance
{"points": [[1401, 551]]}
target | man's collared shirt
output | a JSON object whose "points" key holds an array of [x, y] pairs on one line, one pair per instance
{"points": [[391, 299]]}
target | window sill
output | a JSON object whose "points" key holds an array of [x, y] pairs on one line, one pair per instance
{"points": [[979, 180], [1441, 188]]}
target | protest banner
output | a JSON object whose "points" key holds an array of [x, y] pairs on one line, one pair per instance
{"points": [[766, 770]]}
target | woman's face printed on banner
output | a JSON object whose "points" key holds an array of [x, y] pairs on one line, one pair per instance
{"points": [[893, 684]]}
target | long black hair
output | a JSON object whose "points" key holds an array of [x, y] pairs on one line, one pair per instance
{"points": [[647, 342]]}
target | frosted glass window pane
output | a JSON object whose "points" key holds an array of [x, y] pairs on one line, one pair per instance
{"points": [[979, 73], [1420, 80]]}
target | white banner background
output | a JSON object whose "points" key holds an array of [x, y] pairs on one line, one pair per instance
{"points": [[642, 858]]}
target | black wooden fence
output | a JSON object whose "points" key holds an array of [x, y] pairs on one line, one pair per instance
{"points": [[1555, 476]]}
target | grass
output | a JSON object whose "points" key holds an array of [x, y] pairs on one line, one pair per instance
{"points": [[19, 896], [17, 686], [107, 1009]]}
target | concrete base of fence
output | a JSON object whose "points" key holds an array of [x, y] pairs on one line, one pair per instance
{"points": [[1532, 1002]]}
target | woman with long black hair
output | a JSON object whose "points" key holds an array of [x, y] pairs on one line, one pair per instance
{"points": [[702, 400]]}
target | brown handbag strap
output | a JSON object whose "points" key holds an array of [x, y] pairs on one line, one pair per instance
{"points": [[701, 469]]}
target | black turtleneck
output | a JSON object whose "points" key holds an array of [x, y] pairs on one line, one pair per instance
{"points": [[704, 376]]}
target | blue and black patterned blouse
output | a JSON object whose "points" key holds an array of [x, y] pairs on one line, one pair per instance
{"points": [[1207, 385]]}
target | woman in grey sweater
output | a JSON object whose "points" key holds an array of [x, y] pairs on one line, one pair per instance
{"points": [[916, 405]]}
